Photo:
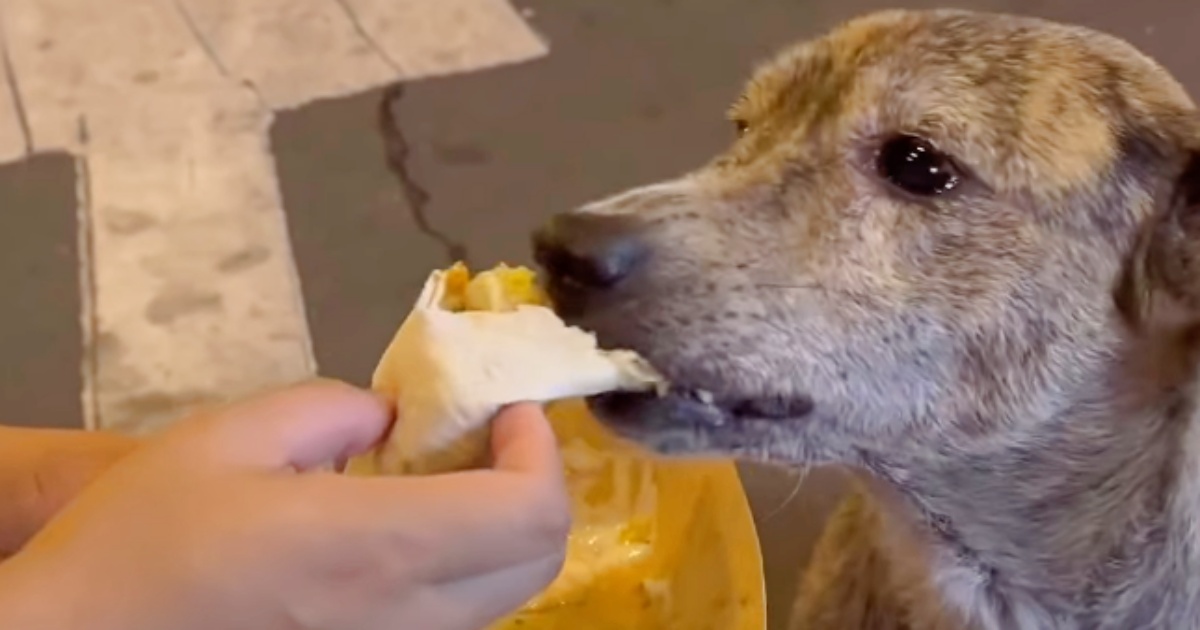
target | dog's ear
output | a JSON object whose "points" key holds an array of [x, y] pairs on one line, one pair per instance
{"points": [[1160, 289]]}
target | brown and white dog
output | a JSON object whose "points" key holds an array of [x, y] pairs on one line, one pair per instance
{"points": [[960, 253]]}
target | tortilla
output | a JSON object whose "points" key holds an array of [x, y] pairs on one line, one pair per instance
{"points": [[471, 346]]}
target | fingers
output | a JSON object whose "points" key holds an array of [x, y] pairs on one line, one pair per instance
{"points": [[478, 521], [303, 426], [452, 526]]}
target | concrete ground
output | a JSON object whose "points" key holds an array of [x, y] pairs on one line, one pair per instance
{"points": [[123, 309]]}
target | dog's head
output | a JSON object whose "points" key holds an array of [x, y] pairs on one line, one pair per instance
{"points": [[931, 226]]}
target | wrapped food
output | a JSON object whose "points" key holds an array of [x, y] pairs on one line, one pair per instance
{"points": [[656, 543], [471, 346]]}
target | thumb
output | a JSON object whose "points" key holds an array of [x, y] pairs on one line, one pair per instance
{"points": [[523, 441], [303, 426]]}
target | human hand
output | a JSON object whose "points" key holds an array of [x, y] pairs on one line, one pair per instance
{"points": [[41, 470], [224, 523]]}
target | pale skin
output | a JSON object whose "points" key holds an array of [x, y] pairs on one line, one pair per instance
{"points": [[232, 519]]}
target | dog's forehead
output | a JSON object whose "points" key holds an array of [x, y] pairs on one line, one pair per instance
{"points": [[1028, 104]]}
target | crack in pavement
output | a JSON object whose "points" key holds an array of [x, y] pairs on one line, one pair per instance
{"points": [[397, 151]]}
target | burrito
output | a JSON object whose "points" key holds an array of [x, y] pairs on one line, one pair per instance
{"points": [[655, 543]]}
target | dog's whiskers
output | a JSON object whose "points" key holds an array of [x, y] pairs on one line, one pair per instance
{"points": [[801, 476]]}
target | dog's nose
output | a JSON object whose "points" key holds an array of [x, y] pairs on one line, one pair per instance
{"points": [[588, 251]]}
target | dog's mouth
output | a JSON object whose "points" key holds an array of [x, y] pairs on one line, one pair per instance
{"points": [[686, 405], [694, 408]]}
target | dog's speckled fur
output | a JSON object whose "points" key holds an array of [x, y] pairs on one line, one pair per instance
{"points": [[1012, 366]]}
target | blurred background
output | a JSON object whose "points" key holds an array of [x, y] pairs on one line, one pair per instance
{"points": [[205, 197]]}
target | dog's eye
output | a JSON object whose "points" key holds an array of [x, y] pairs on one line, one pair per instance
{"points": [[916, 167], [741, 126]]}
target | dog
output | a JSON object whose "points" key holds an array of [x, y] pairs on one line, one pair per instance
{"points": [[958, 253]]}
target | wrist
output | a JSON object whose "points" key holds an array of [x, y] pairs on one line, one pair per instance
{"points": [[35, 595], [43, 469], [22, 603], [18, 460]]}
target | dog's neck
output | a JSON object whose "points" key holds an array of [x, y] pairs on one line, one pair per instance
{"points": [[1086, 519]]}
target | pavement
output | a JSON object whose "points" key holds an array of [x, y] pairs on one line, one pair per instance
{"points": [[251, 191]]}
